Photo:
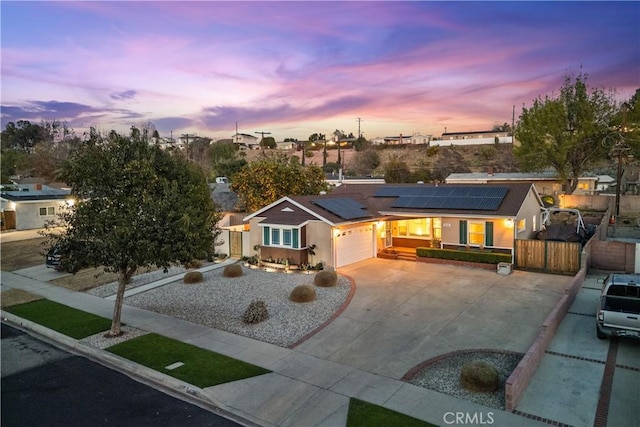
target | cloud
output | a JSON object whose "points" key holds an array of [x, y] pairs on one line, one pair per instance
{"points": [[226, 116], [127, 94]]}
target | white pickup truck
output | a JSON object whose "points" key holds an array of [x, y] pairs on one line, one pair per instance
{"points": [[619, 307]]}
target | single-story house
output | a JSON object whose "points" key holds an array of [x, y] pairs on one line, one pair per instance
{"points": [[546, 182], [605, 182], [355, 222], [29, 206]]}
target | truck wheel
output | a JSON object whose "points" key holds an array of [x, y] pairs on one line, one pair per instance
{"points": [[601, 335]]}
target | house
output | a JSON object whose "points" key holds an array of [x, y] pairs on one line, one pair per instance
{"points": [[245, 140], [29, 206], [604, 183], [415, 139], [546, 182], [355, 222], [473, 138]]}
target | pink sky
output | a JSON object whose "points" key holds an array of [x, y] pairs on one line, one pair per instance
{"points": [[296, 68]]}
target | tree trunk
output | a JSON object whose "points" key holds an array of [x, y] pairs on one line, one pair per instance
{"points": [[124, 277]]}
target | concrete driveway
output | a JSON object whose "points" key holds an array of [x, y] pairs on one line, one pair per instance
{"points": [[404, 313]]}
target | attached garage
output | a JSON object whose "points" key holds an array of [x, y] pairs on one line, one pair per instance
{"points": [[355, 244]]}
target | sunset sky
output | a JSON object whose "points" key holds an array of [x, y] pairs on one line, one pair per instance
{"points": [[296, 68]]}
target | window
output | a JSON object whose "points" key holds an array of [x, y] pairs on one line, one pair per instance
{"points": [[419, 228], [476, 233], [534, 223], [48, 211], [275, 236], [283, 237], [522, 225]]}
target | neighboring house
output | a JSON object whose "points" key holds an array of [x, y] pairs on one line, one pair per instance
{"points": [[415, 139], [604, 183], [474, 135], [473, 138], [289, 145], [546, 182], [31, 205], [337, 179], [354, 222], [246, 140]]}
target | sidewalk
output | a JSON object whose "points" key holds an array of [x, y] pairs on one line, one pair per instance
{"points": [[302, 390]]}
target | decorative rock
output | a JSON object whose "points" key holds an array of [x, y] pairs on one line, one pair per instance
{"points": [[193, 277], [256, 312], [479, 376]]}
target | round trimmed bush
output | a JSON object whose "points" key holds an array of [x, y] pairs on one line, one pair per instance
{"points": [[303, 293], [232, 270], [256, 312], [325, 279], [479, 376], [193, 277]]}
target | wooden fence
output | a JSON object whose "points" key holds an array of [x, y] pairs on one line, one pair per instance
{"points": [[548, 256]]}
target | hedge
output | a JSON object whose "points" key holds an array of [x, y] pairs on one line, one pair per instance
{"points": [[469, 256]]}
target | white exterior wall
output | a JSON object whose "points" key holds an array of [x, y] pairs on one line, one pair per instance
{"points": [[28, 213], [471, 141]]}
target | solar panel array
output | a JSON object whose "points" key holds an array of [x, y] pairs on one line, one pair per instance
{"points": [[464, 198], [344, 207]]}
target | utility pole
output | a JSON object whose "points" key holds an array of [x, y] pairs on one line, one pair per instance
{"points": [[263, 134], [186, 136], [359, 120]]}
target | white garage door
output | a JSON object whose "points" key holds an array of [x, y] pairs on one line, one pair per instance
{"points": [[354, 244]]}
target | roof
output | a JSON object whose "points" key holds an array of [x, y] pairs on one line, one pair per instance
{"points": [[549, 175], [34, 192], [368, 202]]}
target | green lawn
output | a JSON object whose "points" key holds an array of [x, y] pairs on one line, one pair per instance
{"points": [[201, 368], [61, 318], [364, 414]]}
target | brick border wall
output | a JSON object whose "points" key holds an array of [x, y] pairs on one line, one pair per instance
{"points": [[521, 376]]}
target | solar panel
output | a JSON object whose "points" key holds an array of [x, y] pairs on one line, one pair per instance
{"points": [[344, 207], [456, 198]]}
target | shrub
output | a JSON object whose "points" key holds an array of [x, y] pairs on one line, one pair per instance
{"points": [[479, 376], [325, 279], [256, 312], [303, 293], [193, 277], [232, 270], [457, 255], [192, 264]]}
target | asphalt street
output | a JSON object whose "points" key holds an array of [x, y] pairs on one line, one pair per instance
{"points": [[44, 385]]}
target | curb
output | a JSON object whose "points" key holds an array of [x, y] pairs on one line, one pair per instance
{"points": [[142, 374]]}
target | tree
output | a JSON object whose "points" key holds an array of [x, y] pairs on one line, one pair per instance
{"points": [[565, 133], [366, 161], [396, 170], [361, 144], [271, 177], [268, 142], [23, 136], [136, 206]]}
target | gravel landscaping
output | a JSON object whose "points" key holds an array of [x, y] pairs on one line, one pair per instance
{"points": [[444, 376], [219, 302]]}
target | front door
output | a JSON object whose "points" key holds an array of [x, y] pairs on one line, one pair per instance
{"points": [[235, 244]]}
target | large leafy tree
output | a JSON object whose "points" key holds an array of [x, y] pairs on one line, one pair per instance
{"points": [[566, 132], [137, 206], [273, 176]]}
